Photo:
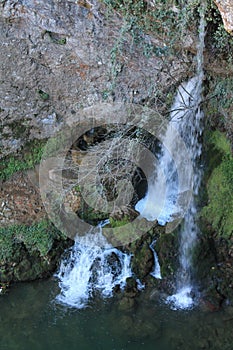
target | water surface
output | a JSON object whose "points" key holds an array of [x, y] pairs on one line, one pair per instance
{"points": [[30, 319]]}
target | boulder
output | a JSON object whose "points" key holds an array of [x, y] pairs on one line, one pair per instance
{"points": [[226, 9]]}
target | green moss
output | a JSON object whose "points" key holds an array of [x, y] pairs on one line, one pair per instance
{"points": [[167, 248], [43, 95], [30, 252], [89, 214], [118, 223], [29, 157], [142, 261], [38, 237], [6, 243], [219, 210], [220, 143]]}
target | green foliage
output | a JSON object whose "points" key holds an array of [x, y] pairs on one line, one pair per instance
{"points": [[223, 92], [218, 38], [6, 243], [220, 143], [118, 223], [222, 39], [38, 237], [30, 156], [43, 95], [219, 211], [77, 189], [167, 18]]}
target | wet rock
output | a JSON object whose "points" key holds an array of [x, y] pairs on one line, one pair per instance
{"points": [[168, 249], [131, 289], [127, 323], [211, 301], [143, 261], [124, 213], [126, 303]]}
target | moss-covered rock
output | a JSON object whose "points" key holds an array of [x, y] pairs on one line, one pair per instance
{"points": [[213, 255], [29, 156], [219, 210], [167, 249], [30, 252], [143, 261]]}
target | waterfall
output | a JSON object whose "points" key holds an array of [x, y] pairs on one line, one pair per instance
{"points": [[189, 229], [193, 129], [93, 266], [156, 273], [164, 187]]}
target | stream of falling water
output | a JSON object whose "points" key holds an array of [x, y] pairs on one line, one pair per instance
{"points": [[156, 273], [186, 118], [92, 266], [183, 297]]}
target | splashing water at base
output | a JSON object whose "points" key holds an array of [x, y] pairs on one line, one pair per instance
{"points": [[182, 299], [92, 266]]}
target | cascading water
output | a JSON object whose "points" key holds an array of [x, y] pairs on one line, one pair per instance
{"points": [[164, 187], [156, 273], [93, 266], [189, 230]]}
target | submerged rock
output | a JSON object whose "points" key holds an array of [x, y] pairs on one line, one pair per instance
{"points": [[126, 303]]}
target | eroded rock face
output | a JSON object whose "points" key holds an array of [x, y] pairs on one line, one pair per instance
{"points": [[226, 9], [57, 57]]}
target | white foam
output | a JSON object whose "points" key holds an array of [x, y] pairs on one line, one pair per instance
{"points": [[92, 266], [182, 299]]}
